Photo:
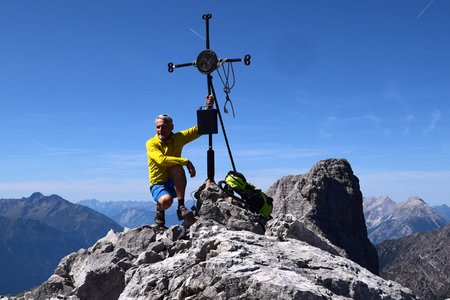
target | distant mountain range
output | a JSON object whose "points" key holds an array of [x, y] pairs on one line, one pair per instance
{"points": [[37, 231], [443, 211], [386, 219], [133, 214], [129, 214], [419, 262], [412, 240]]}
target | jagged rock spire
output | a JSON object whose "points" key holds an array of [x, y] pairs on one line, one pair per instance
{"points": [[324, 208]]}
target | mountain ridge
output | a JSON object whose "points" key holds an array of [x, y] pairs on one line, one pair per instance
{"points": [[37, 231], [443, 210], [386, 219], [419, 261]]}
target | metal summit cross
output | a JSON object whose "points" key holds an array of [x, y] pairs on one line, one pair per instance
{"points": [[207, 62]]}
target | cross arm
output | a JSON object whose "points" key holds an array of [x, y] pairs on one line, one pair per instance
{"points": [[172, 67], [246, 60]]}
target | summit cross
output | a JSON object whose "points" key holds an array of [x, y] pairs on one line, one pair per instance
{"points": [[206, 63]]}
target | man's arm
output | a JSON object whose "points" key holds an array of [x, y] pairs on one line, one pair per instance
{"points": [[191, 169], [155, 154], [190, 134]]}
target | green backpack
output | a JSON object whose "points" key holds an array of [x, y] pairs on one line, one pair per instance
{"points": [[249, 196]]}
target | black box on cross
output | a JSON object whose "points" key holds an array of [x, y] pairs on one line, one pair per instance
{"points": [[207, 121]]}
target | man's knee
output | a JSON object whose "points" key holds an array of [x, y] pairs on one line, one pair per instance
{"points": [[165, 201]]}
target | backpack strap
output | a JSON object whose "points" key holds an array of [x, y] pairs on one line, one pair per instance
{"points": [[229, 191]]}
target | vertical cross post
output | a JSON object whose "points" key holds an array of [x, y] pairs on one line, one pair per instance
{"points": [[210, 165], [207, 62]]}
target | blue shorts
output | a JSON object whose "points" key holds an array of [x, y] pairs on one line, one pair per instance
{"points": [[166, 188]]}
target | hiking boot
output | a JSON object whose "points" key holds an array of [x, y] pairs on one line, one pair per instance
{"points": [[182, 212], [160, 217], [189, 219], [159, 229]]}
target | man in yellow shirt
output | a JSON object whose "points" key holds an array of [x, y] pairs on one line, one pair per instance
{"points": [[165, 165]]}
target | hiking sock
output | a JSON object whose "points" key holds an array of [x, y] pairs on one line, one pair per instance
{"points": [[160, 217]]}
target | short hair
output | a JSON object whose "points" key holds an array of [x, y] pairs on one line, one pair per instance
{"points": [[164, 117]]}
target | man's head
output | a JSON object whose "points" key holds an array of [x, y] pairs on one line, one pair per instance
{"points": [[164, 126]]}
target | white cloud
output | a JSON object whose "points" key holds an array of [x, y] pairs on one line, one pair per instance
{"points": [[407, 123], [333, 125], [273, 152], [47, 150], [434, 119]]}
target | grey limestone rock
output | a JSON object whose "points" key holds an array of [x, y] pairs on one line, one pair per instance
{"points": [[324, 208], [226, 264]]}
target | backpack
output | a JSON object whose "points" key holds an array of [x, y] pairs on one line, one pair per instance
{"points": [[250, 197]]}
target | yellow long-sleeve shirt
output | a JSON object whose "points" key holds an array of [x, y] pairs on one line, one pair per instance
{"points": [[163, 155]]}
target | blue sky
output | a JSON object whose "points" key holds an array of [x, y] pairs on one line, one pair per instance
{"points": [[81, 83]]}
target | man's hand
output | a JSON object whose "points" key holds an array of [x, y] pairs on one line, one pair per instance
{"points": [[209, 101], [191, 168]]}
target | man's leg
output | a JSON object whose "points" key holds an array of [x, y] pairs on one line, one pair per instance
{"points": [[164, 193], [164, 202], [179, 181]]}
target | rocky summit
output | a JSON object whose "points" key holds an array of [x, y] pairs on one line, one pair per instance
{"points": [[324, 208], [229, 253]]}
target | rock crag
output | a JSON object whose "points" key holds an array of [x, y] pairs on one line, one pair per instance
{"points": [[324, 208]]}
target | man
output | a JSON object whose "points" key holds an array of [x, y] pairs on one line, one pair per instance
{"points": [[165, 165]]}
